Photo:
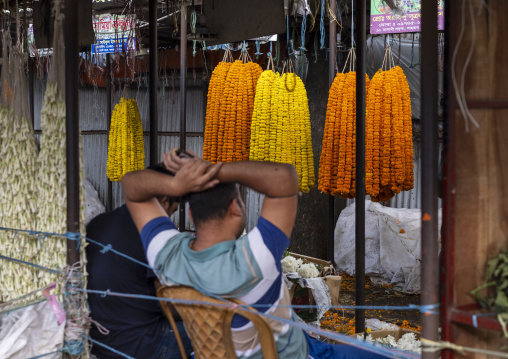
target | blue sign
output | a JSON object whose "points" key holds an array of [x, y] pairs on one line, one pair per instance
{"points": [[112, 45]]}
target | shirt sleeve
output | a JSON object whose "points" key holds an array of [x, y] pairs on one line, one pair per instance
{"points": [[155, 235], [268, 244]]}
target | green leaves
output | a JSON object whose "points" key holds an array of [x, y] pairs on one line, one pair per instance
{"points": [[496, 275]]}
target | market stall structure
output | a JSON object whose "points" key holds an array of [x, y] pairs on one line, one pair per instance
{"points": [[429, 133]]}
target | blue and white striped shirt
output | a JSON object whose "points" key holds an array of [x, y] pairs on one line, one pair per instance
{"points": [[248, 269]]}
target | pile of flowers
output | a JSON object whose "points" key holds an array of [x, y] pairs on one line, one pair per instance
{"points": [[305, 270], [408, 342]]}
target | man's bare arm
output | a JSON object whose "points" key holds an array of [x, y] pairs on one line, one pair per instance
{"points": [[277, 181], [141, 187]]}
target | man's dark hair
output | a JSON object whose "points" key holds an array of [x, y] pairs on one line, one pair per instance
{"points": [[159, 167], [212, 203]]}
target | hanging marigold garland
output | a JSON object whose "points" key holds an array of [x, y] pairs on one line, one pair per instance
{"points": [[214, 110], [229, 109], [337, 164], [388, 134], [126, 148], [280, 130]]}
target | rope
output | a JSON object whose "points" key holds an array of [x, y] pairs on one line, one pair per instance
{"points": [[258, 45], [322, 25], [302, 34], [432, 346], [426, 309], [30, 264], [108, 347]]}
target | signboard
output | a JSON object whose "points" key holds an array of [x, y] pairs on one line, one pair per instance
{"points": [[399, 16], [114, 33]]}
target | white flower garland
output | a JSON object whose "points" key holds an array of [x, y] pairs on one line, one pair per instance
{"points": [[407, 342], [290, 265]]}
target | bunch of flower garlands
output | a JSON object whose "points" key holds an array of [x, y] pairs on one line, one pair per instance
{"points": [[291, 265], [280, 129], [126, 148], [388, 135], [230, 104], [408, 341]]}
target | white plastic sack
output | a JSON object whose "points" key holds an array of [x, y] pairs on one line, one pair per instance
{"points": [[94, 206], [391, 257], [31, 331], [300, 7]]}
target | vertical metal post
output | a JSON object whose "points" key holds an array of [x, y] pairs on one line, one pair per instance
{"points": [[183, 95], [360, 165], [72, 126], [109, 200], [331, 75], [429, 179], [154, 123], [447, 232], [31, 86]]}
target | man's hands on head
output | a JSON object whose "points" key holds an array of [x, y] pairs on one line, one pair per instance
{"points": [[141, 187], [191, 174]]}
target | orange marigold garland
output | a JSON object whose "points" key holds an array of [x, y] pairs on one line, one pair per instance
{"points": [[389, 139], [229, 110], [214, 111]]}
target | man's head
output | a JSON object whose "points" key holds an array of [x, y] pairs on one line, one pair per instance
{"points": [[220, 203], [169, 204]]}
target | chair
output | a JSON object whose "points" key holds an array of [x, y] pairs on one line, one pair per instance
{"points": [[209, 327]]}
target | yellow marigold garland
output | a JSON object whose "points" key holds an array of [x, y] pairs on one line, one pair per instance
{"points": [[280, 129], [126, 148]]}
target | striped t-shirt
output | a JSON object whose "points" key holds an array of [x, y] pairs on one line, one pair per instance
{"points": [[248, 269]]}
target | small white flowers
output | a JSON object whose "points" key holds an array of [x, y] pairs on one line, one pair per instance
{"points": [[308, 271], [290, 264], [407, 342]]}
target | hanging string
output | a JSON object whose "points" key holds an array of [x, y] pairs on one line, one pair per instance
{"points": [[288, 45], [322, 26], [400, 48], [302, 34], [316, 47], [352, 23], [258, 45], [411, 66]]}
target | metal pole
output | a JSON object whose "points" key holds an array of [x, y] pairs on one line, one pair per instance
{"points": [[183, 95], [429, 179], [154, 123], [31, 87], [360, 165], [331, 75], [447, 232], [72, 126], [109, 200]]}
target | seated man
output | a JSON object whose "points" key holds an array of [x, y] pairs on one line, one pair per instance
{"points": [[137, 327], [218, 259]]}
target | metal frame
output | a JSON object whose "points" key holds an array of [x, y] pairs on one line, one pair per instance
{"points": [[429, 136], [72, 126], [361, 42]]}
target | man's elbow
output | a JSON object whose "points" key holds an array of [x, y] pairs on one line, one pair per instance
{"points": [[291, 178], [127, 186]]}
